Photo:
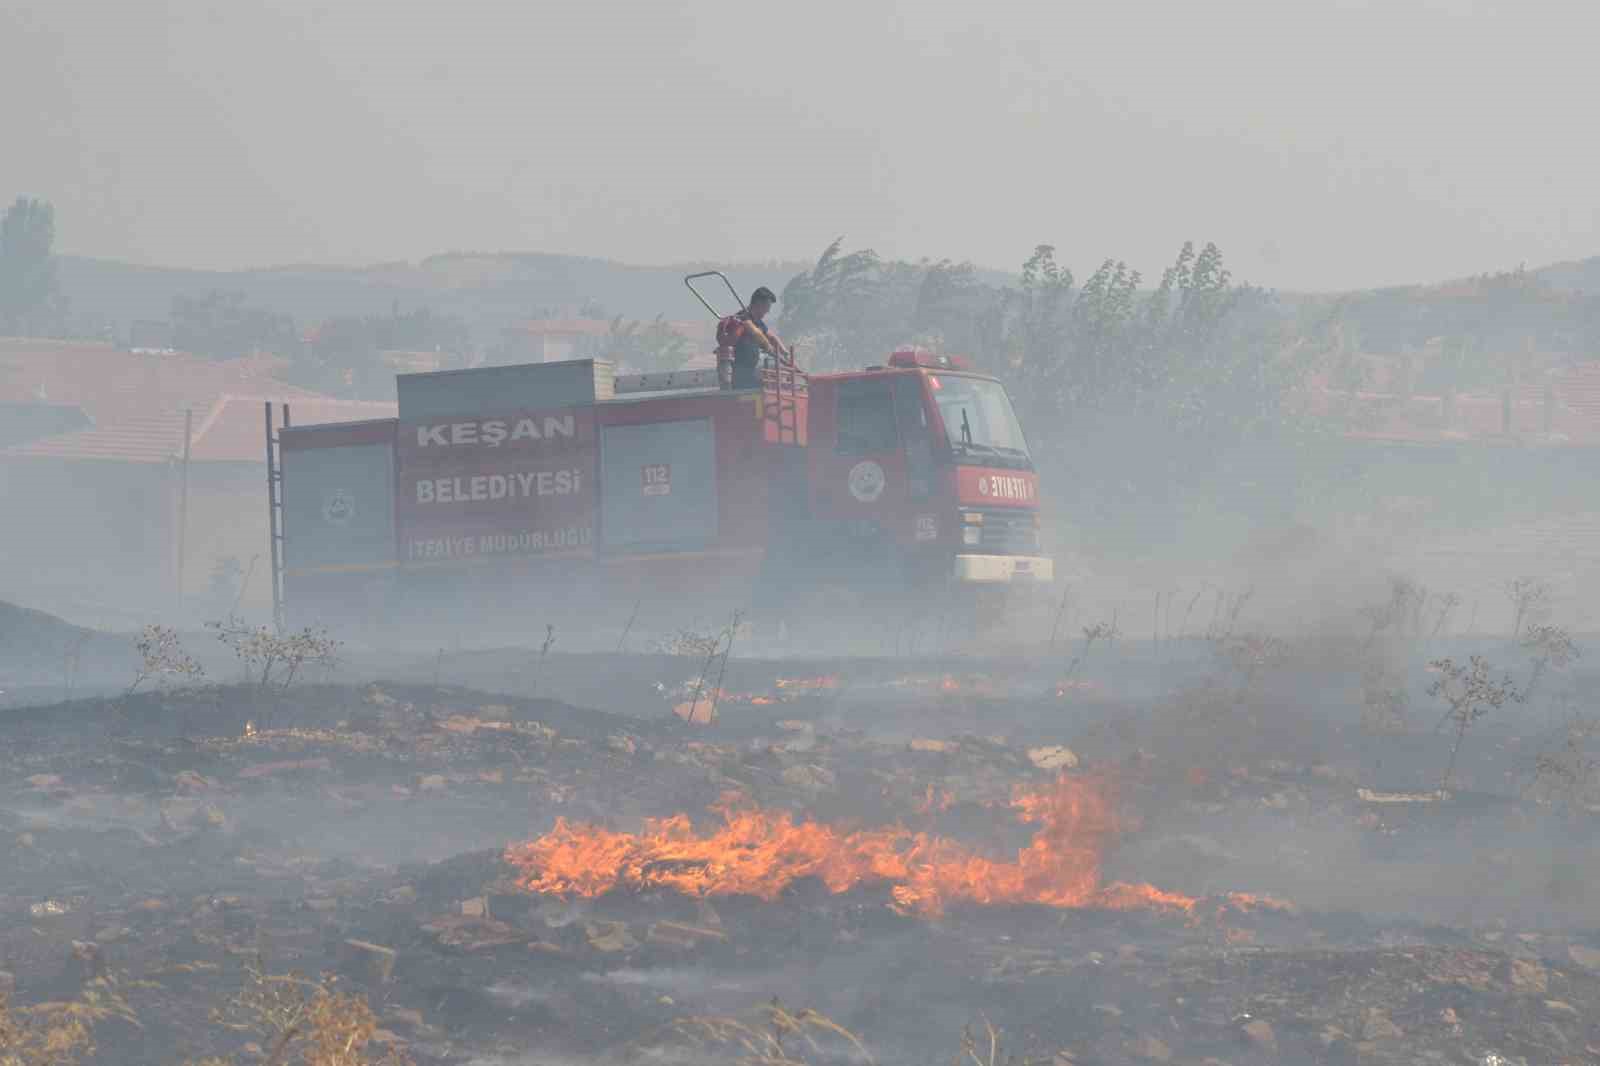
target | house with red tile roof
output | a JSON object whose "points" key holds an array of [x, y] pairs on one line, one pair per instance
{"points": [[92, 472], [1560, 408], [1476, 487]]}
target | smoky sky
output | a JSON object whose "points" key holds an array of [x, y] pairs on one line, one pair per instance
{"points": [[1321, 144]]}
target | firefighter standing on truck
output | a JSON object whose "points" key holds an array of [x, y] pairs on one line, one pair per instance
{"points": [[754, 337]]}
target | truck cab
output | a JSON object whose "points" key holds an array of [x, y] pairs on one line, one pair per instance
{"points": [[926, 458]]}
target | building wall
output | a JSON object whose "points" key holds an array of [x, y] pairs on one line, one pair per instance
{"points": [[521, 347], [227, 519], [90, 538], [96, 541]]}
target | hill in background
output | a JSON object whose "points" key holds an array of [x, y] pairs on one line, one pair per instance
{"points": [[489, 291]]}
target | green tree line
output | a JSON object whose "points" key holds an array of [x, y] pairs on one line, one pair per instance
{"points": [[1137, 395]]}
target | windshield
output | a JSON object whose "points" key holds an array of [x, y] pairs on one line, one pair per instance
{"points": [[979, 421]]}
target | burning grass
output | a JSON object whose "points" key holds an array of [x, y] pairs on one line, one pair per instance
{"points": [[757, 852], [1248, 780]]}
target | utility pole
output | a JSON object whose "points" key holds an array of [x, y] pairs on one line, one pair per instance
{"points": [[183, 496]]}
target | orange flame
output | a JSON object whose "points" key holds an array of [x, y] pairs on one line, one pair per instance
{"points": [[942, 801], [826, 681], [760, 853]]}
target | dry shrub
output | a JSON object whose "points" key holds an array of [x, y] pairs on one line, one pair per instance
{"points": [[59, 1034], [1397, 629], [1549, 648], [1400, 611], [1384, 698], [985, 1048], [162, 658], [306, 1022], [690, 643], [1470, 693], [273, 660], [26, 1040], [1568, 777], [1530, 602], [1216, 719], [773, 1036], [1252, 655]]}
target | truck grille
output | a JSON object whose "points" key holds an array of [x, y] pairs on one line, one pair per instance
{"points": [[1009, 533]]}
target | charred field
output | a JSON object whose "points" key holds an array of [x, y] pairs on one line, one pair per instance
{"points": [[1222, 849]]}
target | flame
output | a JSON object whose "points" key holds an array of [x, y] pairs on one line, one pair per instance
{"points": [[699, 709], [702, 711], [981, 685], [941, 801], [826, 681], [760, 853]]}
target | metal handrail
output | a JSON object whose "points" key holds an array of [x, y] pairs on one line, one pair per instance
{"points": [[689, 281]]}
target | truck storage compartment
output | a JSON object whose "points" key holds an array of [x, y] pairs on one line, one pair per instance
{"points": [[338, 513], [658, 486], [482, 486]]}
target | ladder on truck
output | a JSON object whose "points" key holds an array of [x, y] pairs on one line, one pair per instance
{"points": [[782, 387], [780, 405], [275, 512], [782, 383]]}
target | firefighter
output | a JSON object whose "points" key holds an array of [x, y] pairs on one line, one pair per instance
{"points": [[755, 337]]}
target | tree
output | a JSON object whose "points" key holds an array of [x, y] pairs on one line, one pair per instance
{"points": [[219, 325], [646, 346], [1469, 693], [419, 331], [842, 308], [1137, 397], [954, 311], [29, 297]]}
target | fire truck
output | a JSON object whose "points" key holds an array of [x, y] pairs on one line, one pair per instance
{"points": [[562, 490]]}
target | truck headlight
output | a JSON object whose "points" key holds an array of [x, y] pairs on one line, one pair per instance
{"points": [[971, 535]]}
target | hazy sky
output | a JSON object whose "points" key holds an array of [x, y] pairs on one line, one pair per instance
{"points": [[1321, 144]]}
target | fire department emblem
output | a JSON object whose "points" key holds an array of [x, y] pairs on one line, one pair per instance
{"points": [[866, 481], [338, 508]]}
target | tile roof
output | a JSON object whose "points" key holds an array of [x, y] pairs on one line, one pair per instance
{"points": [[137, 402], [150, 438], [235, 430], [107, 381], [231, 429], [1567, 414]]}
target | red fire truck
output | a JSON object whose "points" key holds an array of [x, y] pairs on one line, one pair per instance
{"points": [[526, 492]]}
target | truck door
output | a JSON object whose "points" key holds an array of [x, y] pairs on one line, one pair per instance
{"points": [[859, 478], [912, 415]]}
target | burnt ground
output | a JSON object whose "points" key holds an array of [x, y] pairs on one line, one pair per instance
{"points": [[174, 840]]}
